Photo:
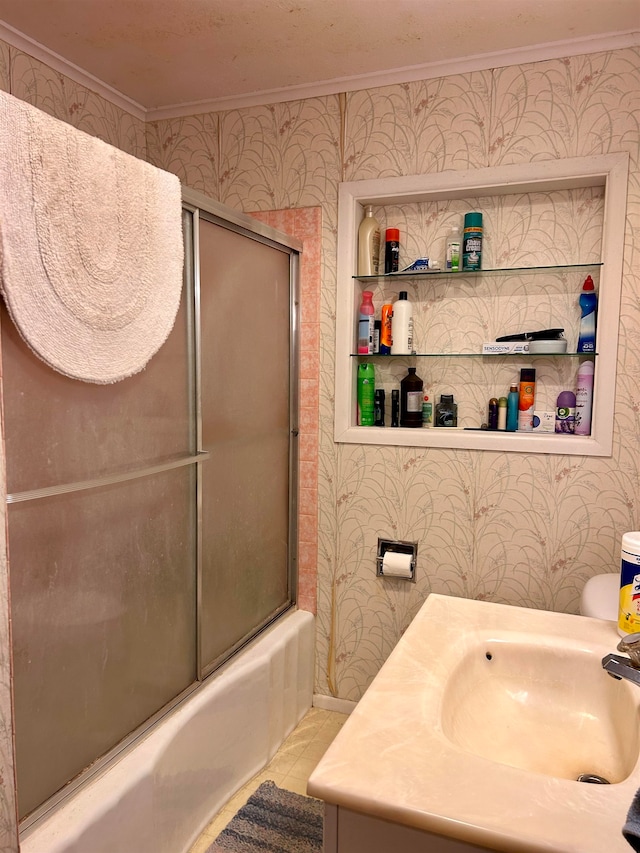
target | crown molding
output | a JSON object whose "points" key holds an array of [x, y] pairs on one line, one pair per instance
{"points": [[38, 51], [408, 74]]}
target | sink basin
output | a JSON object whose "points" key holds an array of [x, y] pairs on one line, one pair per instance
{"points": [[477, 728], [543, 708]]}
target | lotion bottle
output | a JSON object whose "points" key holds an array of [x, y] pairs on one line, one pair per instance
{"points": [[369, 244], [402, 326]]}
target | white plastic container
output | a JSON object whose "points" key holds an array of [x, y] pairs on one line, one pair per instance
{"points": [[584, 398], [629, 605], [369, 244], [402, 326]]}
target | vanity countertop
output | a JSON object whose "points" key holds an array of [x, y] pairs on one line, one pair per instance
{"points": [[393, 760]]}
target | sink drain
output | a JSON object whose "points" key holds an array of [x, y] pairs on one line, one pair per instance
{"points": [[593, 779]]}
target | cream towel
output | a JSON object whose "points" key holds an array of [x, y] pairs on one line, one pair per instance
{"points": [[91, 249]]}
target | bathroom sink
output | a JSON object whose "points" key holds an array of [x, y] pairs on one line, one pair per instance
{"points": [[541, 707], [478, 727]]}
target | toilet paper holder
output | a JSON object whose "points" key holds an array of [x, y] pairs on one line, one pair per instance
{"points": [[399, 547]]}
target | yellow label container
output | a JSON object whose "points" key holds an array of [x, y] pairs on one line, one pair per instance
{"points": [[629, 607]]}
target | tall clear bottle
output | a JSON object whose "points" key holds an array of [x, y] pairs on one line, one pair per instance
{"points": [[369, 244]]}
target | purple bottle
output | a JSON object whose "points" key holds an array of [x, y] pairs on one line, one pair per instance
{"points": [[566, 412]]}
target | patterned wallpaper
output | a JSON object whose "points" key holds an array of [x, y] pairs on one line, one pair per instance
{"points": [[523, 529], [516, 528]]}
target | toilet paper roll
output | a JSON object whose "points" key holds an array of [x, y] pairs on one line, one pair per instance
{"points": [[396, 565]]}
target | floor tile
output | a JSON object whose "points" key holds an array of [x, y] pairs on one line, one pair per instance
{"points": [[290, 767]]}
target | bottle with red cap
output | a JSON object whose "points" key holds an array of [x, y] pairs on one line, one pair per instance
{"points": [[391, 250], [588, 306]]}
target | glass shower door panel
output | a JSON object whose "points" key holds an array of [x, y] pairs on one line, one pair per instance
{"points": [[245, 329], [103, 605], [59, 430]]}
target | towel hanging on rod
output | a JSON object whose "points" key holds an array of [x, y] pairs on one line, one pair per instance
{"points": [[91, 249]]}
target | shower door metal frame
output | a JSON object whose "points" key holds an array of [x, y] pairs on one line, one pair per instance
{"points": [[202, 207], [197, 206]]}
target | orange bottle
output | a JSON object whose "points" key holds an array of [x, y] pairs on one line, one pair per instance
{"points": [[385, 330]]}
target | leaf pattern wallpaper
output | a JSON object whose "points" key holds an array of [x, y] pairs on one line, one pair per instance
{"points": [[522, 529]]}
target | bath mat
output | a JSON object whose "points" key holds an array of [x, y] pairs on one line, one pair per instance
{"points": [[273, 821], [91, 248]]}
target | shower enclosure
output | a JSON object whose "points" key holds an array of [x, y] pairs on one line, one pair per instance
{"points": [[152, 522]]}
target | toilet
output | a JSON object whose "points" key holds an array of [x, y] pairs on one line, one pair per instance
{"points": [[600, 597]]}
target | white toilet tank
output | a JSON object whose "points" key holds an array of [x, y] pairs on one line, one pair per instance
{"points": [[600, 597]]}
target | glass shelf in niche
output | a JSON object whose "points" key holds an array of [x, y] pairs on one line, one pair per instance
{"points": [[442, 274], [515, 356]]}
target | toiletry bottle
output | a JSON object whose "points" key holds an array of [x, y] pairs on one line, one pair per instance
{"points": [[512, 407], [427, 412], [366, 394], [395, 408], [588, 306], [391, 250], [453, 250], [446, 412], [366, 324], [472, 242], [502, 413], [565, 412], [526, 399], [378, 407], [385, 329], [377, 328], [584, 398], [402, 326], [411, 400], [369, 244], [493, 413]]}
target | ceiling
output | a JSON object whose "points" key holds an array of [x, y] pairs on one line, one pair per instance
{"points": [[165, 54]]}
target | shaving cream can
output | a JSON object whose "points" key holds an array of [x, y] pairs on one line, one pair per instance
{"points": [[629, 609]]}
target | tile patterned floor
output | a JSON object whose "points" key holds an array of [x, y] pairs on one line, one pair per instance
{"points": [[290, 767]]}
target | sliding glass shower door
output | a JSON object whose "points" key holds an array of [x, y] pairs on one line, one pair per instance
{"points": [[151, 522], [245, 321]]}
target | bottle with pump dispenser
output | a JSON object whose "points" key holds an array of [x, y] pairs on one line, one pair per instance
{"points": [[402, 326], [588, 307], [369, 244]]}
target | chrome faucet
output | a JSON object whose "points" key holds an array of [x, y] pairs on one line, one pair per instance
{"points": [[621, 667]]}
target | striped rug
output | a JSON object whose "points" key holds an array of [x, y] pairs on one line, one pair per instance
{"points": [[273, 821]]}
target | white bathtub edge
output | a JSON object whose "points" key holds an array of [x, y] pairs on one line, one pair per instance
{"points": [[161, 794]]}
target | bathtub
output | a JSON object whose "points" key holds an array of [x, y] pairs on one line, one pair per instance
{"points": [[160, 795]]}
